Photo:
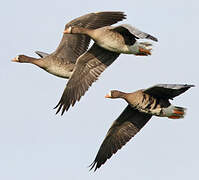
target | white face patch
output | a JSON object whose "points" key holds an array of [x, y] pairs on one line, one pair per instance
{"points": [[69, 29], [17, 58], [109, 94]]}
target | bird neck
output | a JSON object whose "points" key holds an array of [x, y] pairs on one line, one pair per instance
{"points": [[37, 62], [119, 94], [122, 95]]}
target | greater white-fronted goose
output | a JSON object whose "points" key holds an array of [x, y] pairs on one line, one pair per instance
{"points": [[109, 43], [62, 62], [119, 39], [142, 104]]}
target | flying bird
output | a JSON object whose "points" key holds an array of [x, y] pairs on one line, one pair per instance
{"points": [[62, 61], [110, 42], [142, 105], [119, 39]]}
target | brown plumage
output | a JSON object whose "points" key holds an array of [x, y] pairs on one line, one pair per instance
{"points": [[109, 43], [62, 61], [142, 104], [88, 68], [119, 39]]}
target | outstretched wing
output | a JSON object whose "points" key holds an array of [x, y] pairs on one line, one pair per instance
{"points": [[122, 130], [167, 91], [126, 29], [88, 68], [72, 46]]}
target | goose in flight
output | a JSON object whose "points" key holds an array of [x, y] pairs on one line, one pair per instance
{"points": [[110, 42], [142, 105], [62, 61]]}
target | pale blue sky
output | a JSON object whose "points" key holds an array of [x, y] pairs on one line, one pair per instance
{"points": [[37, 144]]}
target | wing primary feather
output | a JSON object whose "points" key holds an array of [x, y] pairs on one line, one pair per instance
{"points": [[126, 126], [88, 68]]}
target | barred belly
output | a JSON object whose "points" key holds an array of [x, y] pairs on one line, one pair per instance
{"points": [[149, 104]]}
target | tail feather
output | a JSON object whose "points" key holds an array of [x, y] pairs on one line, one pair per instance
{"points": [[145, 49], [152, 38], [177, 112]]}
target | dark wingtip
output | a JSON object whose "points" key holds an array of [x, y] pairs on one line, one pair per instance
{"points": [[113, 16], [123, 13], [62, 108], [59, 108], [187, 86], [56, 106], [190, 85], [124, 16], [152, 38], [93, 165], [155, 39]]}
